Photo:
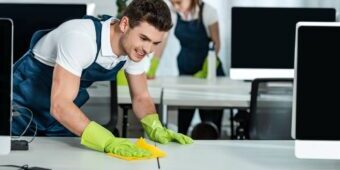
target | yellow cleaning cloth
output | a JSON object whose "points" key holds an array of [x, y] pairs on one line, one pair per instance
{"points": [[141, 143]]}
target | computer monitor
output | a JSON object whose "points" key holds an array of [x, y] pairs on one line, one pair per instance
{"points": [[29, 18], [6, 56], [262, 40], [315, 123]]}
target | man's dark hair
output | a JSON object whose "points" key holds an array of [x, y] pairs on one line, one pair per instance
{"points": [[154, 12]]}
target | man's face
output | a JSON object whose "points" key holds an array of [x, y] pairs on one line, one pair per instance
{"points": [[141, 40]]}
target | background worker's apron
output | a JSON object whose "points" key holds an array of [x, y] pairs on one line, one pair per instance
{"points": [[32, 82], [194, 42]]}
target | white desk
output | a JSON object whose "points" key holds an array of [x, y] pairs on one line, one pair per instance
{"points": [[206, 97], [124, 94], [239, 155], [67, 153], [192, 83], [185, 91], [124, 100], [189, 85], [200, 93], [101, 91], [189, 91]]}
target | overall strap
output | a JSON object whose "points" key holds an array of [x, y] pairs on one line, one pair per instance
{"points": [[200, 12], [98, 27]]}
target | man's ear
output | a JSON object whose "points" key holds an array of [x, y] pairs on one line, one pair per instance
{"points": [[124, 24]]}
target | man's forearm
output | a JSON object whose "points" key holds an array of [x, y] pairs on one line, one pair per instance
{"points": [[70, 116], [143, 106]]}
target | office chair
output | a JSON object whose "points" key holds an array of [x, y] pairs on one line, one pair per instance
{"points": [[205, 131], [270, 112]]}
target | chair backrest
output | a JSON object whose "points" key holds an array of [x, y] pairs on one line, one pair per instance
{"points": [[271, 109]]}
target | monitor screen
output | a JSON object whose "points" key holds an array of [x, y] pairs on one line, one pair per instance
{"points": [[263, 39], [29, 18], [6, 30], [317, 116]]}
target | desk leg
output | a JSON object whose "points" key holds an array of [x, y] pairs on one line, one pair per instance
{"points": [[164, 115], [232, 123], [125, 120]]}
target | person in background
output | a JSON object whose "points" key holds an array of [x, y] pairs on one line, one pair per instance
{"points": [[52, 77], [196, 25]]}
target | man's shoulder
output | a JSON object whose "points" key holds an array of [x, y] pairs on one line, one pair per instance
{"points": [[77, 25]]}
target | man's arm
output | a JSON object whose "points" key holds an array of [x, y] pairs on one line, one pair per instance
{"points": [[144, 109], [65, 87], [142, 103]]}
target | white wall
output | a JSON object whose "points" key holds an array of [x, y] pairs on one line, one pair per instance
{"points": [[324, 3]]}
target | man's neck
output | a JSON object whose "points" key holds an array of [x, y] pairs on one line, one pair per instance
{"points": [[115, 35]]}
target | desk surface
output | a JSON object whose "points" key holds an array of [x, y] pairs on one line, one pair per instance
{"points": [[101, 91], [192, 83], [191, 90], [67, 153], [124, 94], [239, 155], [188, 91], [206, 97]]}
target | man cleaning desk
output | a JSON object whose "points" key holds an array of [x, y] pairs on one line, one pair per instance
{"points": [[52, 77]]}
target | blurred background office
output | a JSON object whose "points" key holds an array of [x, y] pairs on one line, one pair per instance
{"points": [[168, 64]]}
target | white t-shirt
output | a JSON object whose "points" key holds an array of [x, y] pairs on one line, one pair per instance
{"points": [[209, 15], [73, 46]]}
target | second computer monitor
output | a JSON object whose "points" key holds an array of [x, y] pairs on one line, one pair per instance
{"points": [[315, 124], [262, 43]]}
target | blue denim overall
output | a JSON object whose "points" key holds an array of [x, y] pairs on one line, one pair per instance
{"points": [[194, 42], [32, 81]]}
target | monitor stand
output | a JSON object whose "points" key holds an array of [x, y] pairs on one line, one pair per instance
{"points": [[5, 145], [308, 149]]}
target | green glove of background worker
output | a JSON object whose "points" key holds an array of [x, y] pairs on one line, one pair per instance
{"points": [[203, 73], [121, 78], [100, 139], [158, 133], [153, 67]]}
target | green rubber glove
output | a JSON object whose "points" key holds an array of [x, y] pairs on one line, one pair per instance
{"points": [[158, 133], [100, 139], [153, 67], [203, 73], [121, 78]]}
